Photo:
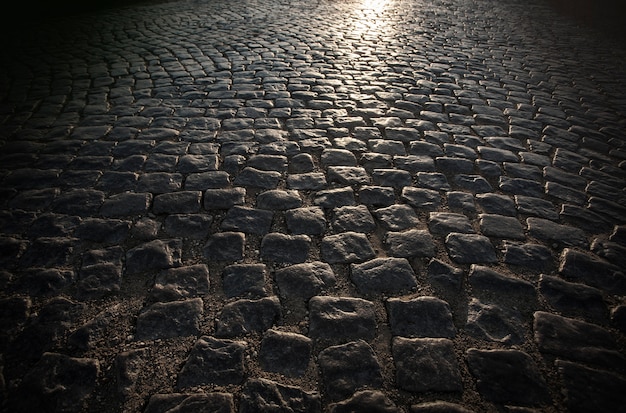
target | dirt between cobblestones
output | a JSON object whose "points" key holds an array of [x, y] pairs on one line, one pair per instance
{"points": [[329, 206]]}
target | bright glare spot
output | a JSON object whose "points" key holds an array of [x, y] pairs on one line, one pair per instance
{"points": [[374, 5]]}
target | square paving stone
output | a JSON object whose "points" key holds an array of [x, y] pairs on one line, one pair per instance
{"points": [[213, 361], [470, 248], [426, 364], [412, 243], [341, 319], [225, 246], [285, 353], [508, 376], [284, 248], [420, 317], [171, 319], [383, 275], [347, 247], [244, 280], [303, 281], [308, 221], [180, 283], [245, 316], [348, 367]]}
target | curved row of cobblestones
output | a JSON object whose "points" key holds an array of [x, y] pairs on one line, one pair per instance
{"points": [[280, 205]]}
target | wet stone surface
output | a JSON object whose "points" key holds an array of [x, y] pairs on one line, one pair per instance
{"points": [[332, 206]]}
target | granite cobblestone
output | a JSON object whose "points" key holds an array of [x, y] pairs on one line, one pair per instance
{"points": [[385, 206]]}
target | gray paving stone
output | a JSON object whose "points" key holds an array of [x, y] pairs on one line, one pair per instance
{"points": [[573, 299], [213, 361], [377, 195], [536, 257], [578, 266], [103, 231], [520, 186], [193, 226], [426, 364], [307, 181], [443, 223], [187, 403], [285, 353], [307, 220], [397, 217], [420, 317], [159, 182], [244, 317], [225, 246], [336, 197], [182, 202], [371, 400], [453, 165], [383, 276], [411, 243], [348, 175], [352, 218], [433, 180], [493, 322], [341, 319], [278, 200], [421, 198], [267, 162], [508, 376], [223, 198], [264, 396], [244, 280], [180, 283], [461, 202], [590, 389], [547, 230], [171, 319], [126, 204], [496, 204], [470, 248], [247, 220], [257, 178], [496, 287], [56, 380], [284, 248], [577, 340], [154, 255], [347, 247], [473, 183], [391, 177], [348, 367], [500, 226], [438, 407]]}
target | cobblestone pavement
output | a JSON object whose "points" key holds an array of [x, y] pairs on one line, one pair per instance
{"points": [[313, 206]]}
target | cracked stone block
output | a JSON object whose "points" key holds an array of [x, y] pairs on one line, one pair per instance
{"points": [[353, 218], [190, 403], [307, 221], [180, 283], [470, 248], [383, 275], [347, 247], [285, 248], [589, 269], [348, 367], [225, 246], [304, 280], [341, 319], [573, 299], [154, 255], [372, 401], [56, 380], [577, 340], [265, 396], [508, 376], [426, 364], [492, 322], [247, 220], [278, 200], [171, 319], [246, 316], [213, 361], [420, 317], [443, 223], [591, 390], [224, 198], [411, 243], [285, 353], [244, 280]]}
